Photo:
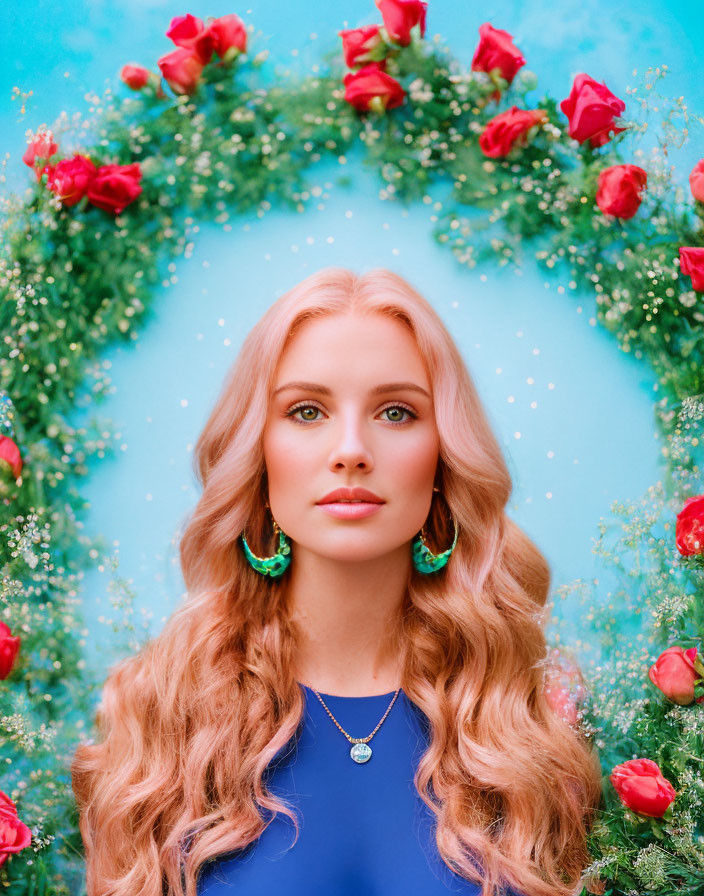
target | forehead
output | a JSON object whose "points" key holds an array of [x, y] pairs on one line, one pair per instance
{"points": [[345, 347]]}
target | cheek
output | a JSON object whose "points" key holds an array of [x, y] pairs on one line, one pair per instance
{"points": [[414, 463], [286, 458]]}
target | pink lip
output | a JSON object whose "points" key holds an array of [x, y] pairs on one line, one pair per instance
{"points": [[350, 511], [351, 494]]}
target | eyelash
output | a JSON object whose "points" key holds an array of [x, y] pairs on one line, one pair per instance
{"points": [[298, 407]]}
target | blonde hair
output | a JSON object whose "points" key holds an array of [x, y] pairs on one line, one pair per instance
{"points": [[189, 725]]}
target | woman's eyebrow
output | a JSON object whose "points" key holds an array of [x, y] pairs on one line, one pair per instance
{"points": [[377, 390]]}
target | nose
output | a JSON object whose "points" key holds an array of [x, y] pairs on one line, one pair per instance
{"points": [[350, 444]]}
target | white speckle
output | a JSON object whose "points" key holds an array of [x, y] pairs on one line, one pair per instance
{"points": [[395, 251], [482, 277], [329, 239], [348, 213], [206, 264], [551, 385], [221, 322], [516, 435], [536, 351], [519, 334], [149, 496], [551, 454], [227, 341], [184, 402], [548, 494], [534, 404], [530, 380], [310, 240], [499, 370], [510, 399]]}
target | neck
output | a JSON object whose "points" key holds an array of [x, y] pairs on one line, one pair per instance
{"points": [[347, 615]]}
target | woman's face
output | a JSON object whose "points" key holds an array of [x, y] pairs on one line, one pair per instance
{"points": [[351, 435]]}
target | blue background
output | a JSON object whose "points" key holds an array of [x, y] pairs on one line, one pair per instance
{"points": [[574, 413]]}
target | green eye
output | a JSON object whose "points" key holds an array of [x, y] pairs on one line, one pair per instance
{"points": [[311, 407]]}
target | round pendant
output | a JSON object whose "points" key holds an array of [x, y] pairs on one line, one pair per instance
{"points": [[360, 752]]}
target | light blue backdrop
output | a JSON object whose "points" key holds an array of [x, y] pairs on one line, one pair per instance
{"points": [[573, 412]]}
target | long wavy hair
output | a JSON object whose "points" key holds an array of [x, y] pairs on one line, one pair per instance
{"points": [[188, 726]]}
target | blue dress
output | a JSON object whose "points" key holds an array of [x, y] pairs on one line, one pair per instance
{"points": [[364, 831]]}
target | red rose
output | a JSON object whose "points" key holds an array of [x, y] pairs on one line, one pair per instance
{"points": [[496, 50], [692, 264], [115, 187], [14, 834], [400, 17], [591, 109], [689, 529], [674, 673], [619, 190], [228, 35], [41, 146], [696, 181], [10, 455], [135, 76], [509, 129], [181, 70], [372, 88], [361, 45], [642, 787], [189, 33], [70, 178], [9, 648]]}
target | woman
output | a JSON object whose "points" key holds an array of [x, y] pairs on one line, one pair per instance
{"points": [[352, 698]]}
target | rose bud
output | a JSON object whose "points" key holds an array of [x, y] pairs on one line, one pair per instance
{"points": [[674, 673], [362, 45], [41, 146], [14, 834], [496, 50], [372, 88], [228, 35], [641, 787], [135, 76], [591, 109], [9, 648], [696, 181], [508, 130], [115, 187], [619, 190], [10, 456], [181, 70], [692, 264], [401, 17]]}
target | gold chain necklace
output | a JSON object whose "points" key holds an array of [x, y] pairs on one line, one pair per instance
{"points": [[360, 750]]}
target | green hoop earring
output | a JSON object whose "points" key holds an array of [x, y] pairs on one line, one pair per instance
{"points": [[275, 565], [424, 559]]}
